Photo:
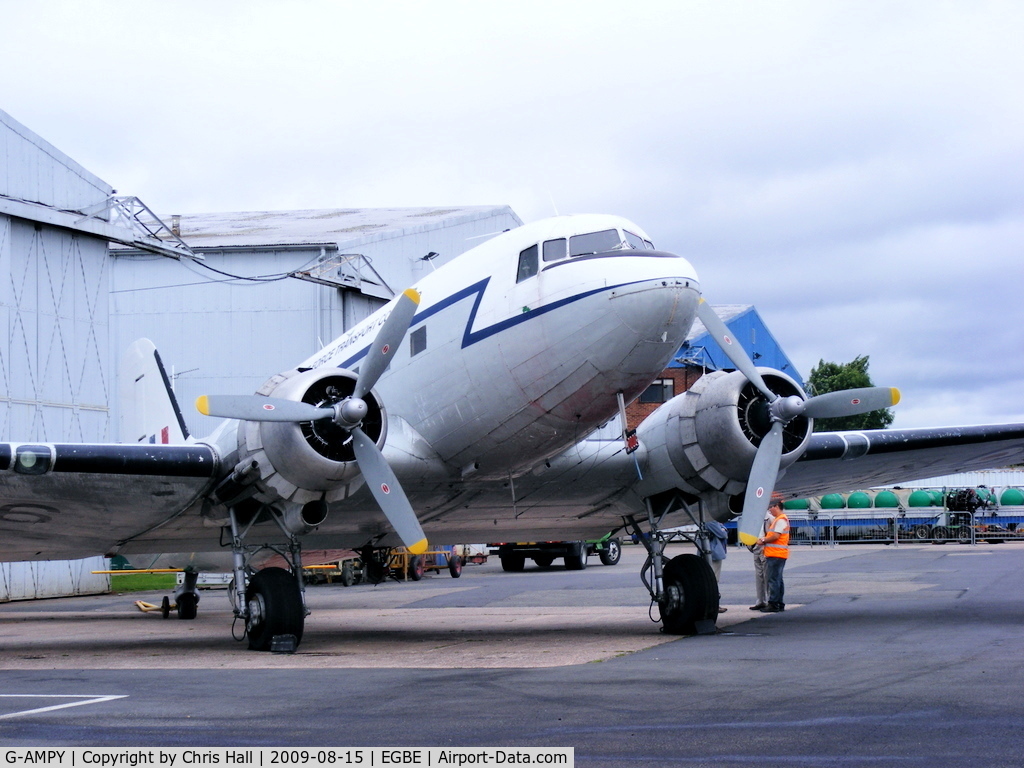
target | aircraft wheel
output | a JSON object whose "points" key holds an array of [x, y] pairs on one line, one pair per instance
{"points": [[512, 563], [275, 607], [611, 553], [415, 568], [165, 607], [544, 561], [455, 565], [691, 595], [188, 605]]}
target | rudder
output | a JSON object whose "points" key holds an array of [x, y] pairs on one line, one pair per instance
{"points": [[149, 410]]}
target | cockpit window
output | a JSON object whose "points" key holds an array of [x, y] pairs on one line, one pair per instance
{"points": [[594, 242], [635, 241], [554, 250], [527, 264], [649, 245]]}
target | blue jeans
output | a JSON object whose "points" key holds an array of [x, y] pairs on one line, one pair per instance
{"points": [[776, 589]]}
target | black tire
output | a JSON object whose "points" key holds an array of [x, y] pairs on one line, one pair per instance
{"points": [[922, 533], [691, 595], [188, 605], [455, 565], [512, 563], [963, 535], [348, 574], [165, 607], [611, 553], [415, 568], [275, 607], [577, 561], [544, 561], [940, 535]]}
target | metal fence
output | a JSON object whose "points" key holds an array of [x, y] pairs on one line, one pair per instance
{"points": [[939, 528]]}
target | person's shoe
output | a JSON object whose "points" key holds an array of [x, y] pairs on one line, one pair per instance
{"points": [[758, 607], [771, 608], [722, 610]]}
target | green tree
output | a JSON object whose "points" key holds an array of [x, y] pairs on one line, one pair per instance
{"points": [[832, 377]]}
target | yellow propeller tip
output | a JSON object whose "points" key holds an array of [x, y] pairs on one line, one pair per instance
{"points": [[418, 548], [747, 540], [895, 396], [413, 294], [203, 405]]}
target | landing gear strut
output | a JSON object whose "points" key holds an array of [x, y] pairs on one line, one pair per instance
{"points": [[684, 588], [271, 602]]}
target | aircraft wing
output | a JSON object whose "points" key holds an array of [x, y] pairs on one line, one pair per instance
{"points": [[77, 500], [837, 461]]}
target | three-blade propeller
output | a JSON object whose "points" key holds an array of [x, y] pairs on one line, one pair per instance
{"points": [[347, 414], [764, 471]]}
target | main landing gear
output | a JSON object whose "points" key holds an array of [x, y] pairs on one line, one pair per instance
{"points": [[683, 587], [271, 603]]}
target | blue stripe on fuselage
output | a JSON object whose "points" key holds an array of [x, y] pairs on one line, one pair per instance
{"points": [[469, 336]]}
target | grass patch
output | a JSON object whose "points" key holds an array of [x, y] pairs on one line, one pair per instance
{"points": [[142, 582]]}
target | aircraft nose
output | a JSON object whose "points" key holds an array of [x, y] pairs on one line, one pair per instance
{"points": [[660, 301]]}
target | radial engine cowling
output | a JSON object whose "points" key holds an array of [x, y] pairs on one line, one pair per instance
{"points": [[707, 437], [303, 462]]}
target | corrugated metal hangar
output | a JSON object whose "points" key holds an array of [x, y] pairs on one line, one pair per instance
{"points": [[228, 299]]}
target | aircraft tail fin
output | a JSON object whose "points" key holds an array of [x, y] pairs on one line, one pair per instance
{"points": [[149, 410]]}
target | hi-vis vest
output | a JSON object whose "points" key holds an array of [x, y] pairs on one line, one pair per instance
{"points": [[779, 547]]}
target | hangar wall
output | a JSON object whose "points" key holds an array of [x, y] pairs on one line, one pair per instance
{"points": [[55, 370]]}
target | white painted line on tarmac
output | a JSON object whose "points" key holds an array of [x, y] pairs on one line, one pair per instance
{"points": [[86, 699]]}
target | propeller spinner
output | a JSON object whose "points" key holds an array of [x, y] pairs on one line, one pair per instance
{"points": [[348, 415], [764, 471]]}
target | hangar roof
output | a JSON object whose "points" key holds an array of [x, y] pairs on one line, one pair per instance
{"points": [[351, 226]]}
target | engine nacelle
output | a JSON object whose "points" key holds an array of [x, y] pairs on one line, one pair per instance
{"points": [[304, 462], [706, 438]]}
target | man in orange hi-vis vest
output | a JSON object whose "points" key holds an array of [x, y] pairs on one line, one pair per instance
{"points": [[776, 551]]}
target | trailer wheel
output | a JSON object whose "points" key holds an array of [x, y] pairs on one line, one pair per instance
{"points": [[544, 561], [455, 566], [611, 553], [416, 568], [512, 563], [577, 561]]}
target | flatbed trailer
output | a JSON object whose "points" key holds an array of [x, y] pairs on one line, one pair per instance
{"points": [[513, 555]]}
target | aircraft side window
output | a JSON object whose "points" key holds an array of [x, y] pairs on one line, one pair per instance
{"points": [[417, 341], [555, 250], [649, 245], [635, 241], [594, 242], [527, 264]]}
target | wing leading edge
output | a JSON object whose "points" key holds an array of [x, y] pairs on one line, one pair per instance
{"points": [[837, 461]]}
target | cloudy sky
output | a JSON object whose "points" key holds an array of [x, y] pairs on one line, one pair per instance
{"points": [[855, 170]]}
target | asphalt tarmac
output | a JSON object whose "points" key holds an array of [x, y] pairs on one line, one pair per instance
{"points": [[909, 655]]}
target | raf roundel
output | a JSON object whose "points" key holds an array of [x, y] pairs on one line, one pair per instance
{"points": [[385, 487], [268, 407]]}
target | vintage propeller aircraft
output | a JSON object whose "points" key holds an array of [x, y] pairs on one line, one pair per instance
{"points": [[465, 411]]}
